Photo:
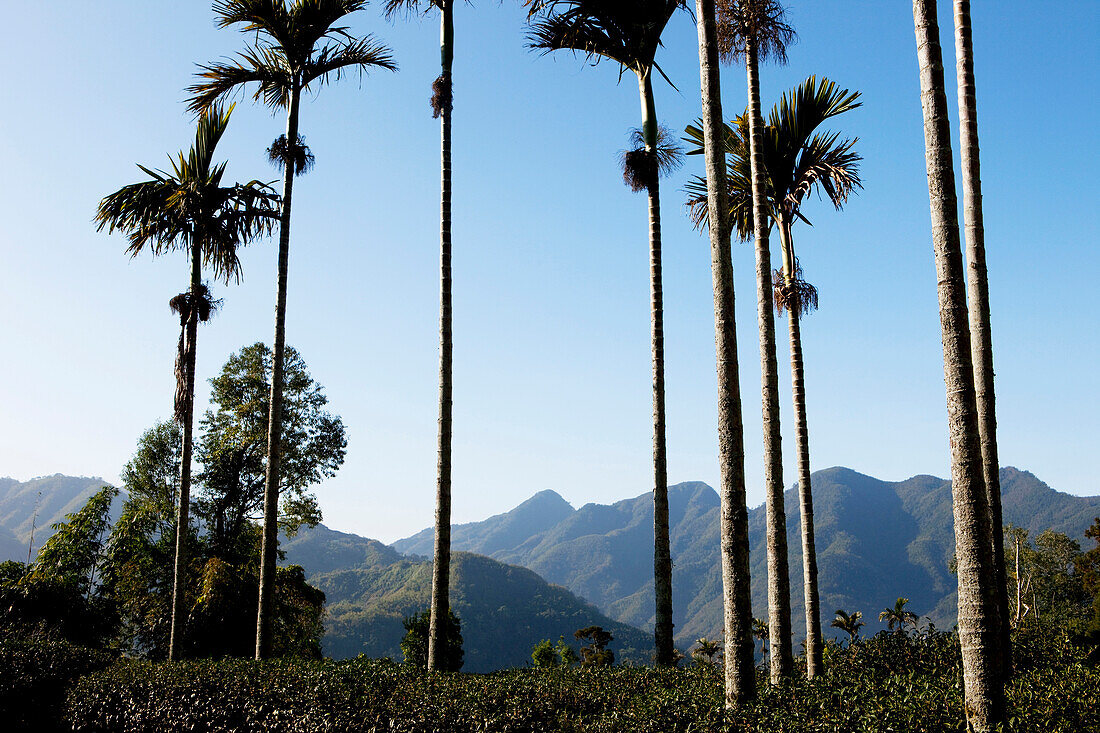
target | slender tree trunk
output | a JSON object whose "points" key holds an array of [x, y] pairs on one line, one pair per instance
{"points": [[979, 627], [802, 448], [662, 554], [740, 677], [275, 414], [441, 567], [779, 581], [978, 296], [183, 512]]}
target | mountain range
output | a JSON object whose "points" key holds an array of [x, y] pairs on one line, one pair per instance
{"points": [[545, 568], [876, 541], [28, 508]]}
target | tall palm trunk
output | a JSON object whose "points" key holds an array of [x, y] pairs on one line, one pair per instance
{"points": [[979, 628], [802, 448], [441, 567], [779, 582], [740, 677], [183, 512], [662, 554], [275, 414], [978, 297]]}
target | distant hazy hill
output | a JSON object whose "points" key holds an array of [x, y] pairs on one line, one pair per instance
{"points": [[505, 610], [52, 497], [876, 540]]}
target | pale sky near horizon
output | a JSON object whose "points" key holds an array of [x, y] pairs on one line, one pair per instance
{"points": [[552, 369]]}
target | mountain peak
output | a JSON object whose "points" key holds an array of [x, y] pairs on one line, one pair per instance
{"points": [[546, 498]]}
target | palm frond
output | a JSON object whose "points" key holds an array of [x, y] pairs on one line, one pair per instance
{"points": [[260, 65], [334, 59], [738, 181], [625, 31], [391, 8], [761, 23], [191, 208], [827, 164]]}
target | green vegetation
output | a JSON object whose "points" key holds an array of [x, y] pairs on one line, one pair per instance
{"points": [[414, 647], [107, 582], [904, 682]]}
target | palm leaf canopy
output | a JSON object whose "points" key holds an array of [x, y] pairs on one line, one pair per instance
{"points": [[625, 31], [285, 54], [797, 158], [761, 23], [189, 207]]}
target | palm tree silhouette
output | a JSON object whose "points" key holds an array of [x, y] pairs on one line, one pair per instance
{"points": [[851, 624], [628, 32], [293, 47], [190, 209], [898, 617]]}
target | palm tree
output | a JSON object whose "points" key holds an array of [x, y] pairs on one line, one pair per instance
{"points": [[897, 617], [441, 101], [978, 301], [740, 677], [849, 623], [760, 631], [756, 31], [979, 627], [293, 47], [629, 32], [707, 651], [798, 160], [190, 209]]}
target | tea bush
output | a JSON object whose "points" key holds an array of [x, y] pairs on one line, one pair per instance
{"points": [[891, 682]]}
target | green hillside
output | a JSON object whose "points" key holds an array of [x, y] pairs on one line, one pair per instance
{"points": [[505, 610]]}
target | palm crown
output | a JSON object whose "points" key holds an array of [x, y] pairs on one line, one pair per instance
{"points": [[898, 616], [849, 623], [625, 31], [190, 208], [798, 159], [285, 56]]}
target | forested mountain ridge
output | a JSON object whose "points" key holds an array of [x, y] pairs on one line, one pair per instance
{"points": [[505, 610], [876, 540]]}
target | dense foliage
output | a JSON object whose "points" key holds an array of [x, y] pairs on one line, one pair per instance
{"points": [[904, 682], [104, 578]]}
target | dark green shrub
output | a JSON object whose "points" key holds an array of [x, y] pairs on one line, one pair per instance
{"points": [[35, 674]]}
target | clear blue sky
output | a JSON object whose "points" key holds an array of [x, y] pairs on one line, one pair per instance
{"points": [[551, 267]]}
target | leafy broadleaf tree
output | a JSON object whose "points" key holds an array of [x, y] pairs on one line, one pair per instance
{"points": [[628, 32], [293, 47], [139, 570], [979, 625], [190, 209], [61, 591], [414, 645], [757, 31], [233, 449]]}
